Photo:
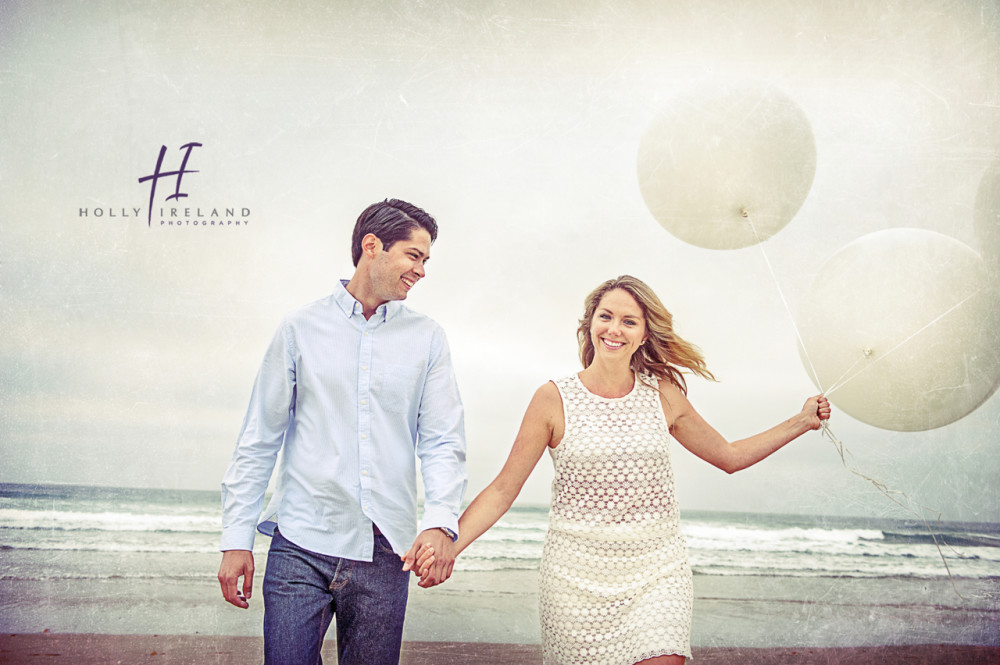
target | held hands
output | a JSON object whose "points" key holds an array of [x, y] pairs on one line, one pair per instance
{"points": [[420, 562], [815, 411], [431, 557], [236, 564]]}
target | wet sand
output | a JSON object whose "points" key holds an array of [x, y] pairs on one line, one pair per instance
{"points": [[91, 649]]}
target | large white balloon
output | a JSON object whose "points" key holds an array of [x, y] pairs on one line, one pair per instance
{"points": [[715, 159], [987, 219], [901, 328]]}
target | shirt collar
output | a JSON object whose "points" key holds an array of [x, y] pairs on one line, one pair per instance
{"points": [[350, 305]]}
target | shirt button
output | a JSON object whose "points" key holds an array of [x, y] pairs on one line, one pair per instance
{"points": [[364, 402], [364, 368], [364, 473], [364, 436]]}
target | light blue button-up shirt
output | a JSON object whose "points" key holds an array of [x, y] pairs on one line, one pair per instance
{"points": [[351, 404]]}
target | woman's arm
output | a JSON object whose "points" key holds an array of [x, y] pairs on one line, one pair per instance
{"points": [[542, 426], [695, 434], [536, 433]]}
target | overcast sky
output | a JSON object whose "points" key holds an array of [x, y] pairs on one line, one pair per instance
{"points": [[129, 347]]}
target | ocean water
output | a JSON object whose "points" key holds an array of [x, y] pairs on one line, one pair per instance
{"points": [[140, 561], [108, 525]]}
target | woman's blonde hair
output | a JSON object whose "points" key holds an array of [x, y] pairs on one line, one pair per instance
{"points": [[664, 354]]}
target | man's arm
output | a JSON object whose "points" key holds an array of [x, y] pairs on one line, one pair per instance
{"points": [[253, 461], [441, 449]]}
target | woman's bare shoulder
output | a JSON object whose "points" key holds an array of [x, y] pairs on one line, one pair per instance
{"points": [[669, 389], [547, 397], [673, 400]]}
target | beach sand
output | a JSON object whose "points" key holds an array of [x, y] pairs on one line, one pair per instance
{"points": [[90, 649], [503, 608], [487, 617]]}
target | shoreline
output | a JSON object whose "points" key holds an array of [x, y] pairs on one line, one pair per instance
{"points": [[94, 649]]}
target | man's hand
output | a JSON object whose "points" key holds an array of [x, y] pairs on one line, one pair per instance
{"points": [[440, 564], [236, 564]]}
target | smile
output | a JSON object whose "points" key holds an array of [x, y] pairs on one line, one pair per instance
{"points": [[409, 284], [611, 344]]}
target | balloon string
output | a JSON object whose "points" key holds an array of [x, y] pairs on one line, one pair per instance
{"points": [[882, 357], [842, 450], [892, 495], [805, 351], [836, 384]]}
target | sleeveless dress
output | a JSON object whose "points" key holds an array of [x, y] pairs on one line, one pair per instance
{"points": [[615, 582]]}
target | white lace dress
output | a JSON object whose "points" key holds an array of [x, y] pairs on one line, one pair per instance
{"points": [[615, 582]]}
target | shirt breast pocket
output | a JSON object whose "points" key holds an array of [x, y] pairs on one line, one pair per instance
{"points": [[398, 388]]}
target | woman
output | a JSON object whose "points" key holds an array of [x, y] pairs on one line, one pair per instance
{"points": [[615, 583]]}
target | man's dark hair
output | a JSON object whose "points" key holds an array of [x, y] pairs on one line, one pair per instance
{"points": [[390, 221]]}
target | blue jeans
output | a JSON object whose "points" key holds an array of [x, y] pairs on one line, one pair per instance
{"points": [[303, 590]]}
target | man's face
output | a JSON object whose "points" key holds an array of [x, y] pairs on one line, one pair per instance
{"points": [[395, 271]]}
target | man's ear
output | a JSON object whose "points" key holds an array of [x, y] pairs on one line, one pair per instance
{"points": [[371, 245]]}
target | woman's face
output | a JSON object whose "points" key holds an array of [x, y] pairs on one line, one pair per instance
{"points": [[618, 327]]}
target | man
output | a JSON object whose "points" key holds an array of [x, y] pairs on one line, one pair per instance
{"points": [[352, 389]]}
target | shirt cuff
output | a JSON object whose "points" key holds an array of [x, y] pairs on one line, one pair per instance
{"points": [[237, 539], [438, 517]]}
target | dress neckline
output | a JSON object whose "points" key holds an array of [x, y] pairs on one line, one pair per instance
{"points": [[635, 384]]}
